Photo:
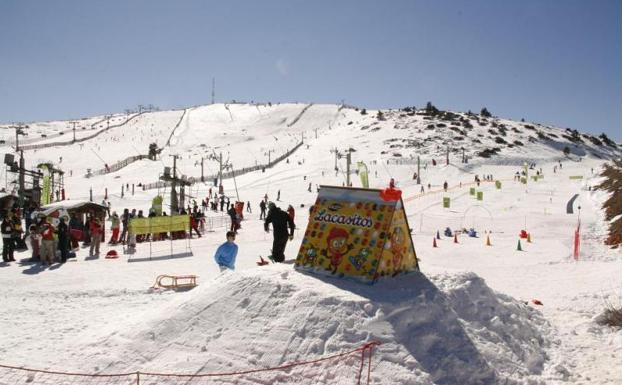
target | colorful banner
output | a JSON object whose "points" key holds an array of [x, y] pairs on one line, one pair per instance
{"points": [[163, 224], [572, 177], [498, 184], [472, 191], [480, 195], [45, 190], [353, 232], [363, 173]]}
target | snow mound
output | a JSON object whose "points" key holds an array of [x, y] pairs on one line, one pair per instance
{"points": [[446, 329]]}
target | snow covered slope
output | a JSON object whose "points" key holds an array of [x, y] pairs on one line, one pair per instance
{"points": [[468, 319]]}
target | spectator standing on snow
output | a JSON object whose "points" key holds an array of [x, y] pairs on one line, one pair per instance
{"points": [[115, 224], [35, 238], [248, 207], [96, 233], [63, 239], [47, 252], [291, 212], [234, 219], [125, 217], [280, 223], [226, 253], [262, 207], [8, 244]]}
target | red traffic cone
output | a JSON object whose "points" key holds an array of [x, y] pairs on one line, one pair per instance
{"points": [[455, 237], [262, 261], [434, 242]]}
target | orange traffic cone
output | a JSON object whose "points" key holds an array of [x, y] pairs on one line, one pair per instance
{"points": [[434, 242], [455, 237], [488, 240]]}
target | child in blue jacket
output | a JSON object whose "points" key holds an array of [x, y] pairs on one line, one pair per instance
{"points": [[226, 253]]}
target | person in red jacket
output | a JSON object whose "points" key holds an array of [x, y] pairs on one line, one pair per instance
{"points": [[48, 251], [96, 230]]}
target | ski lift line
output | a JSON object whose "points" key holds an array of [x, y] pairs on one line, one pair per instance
{"points": [[100, 158]]}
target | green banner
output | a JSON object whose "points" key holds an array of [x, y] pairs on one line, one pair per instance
{"points": [[480, 195], [156, 205], [446, 202], [45, 190], [362, 167], [165, 224], [472, 191], [498, 184], [576, 176]]}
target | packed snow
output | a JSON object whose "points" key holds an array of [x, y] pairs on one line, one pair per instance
{"points": [[469, 317]]}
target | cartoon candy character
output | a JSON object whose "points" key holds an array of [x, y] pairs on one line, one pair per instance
{"points": [[338, 246]]}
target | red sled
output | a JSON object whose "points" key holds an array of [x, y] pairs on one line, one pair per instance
{"points": [[262, 261]]}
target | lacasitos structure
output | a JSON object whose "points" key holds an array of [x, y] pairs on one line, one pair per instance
{"points": [[359, 233]]}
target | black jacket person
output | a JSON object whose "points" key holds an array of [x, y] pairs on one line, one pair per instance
{"points": [[280, 223]]}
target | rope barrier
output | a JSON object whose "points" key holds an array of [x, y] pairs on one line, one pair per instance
{"points": [[138, 377]]}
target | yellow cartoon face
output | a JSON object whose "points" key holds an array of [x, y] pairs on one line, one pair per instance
{"points": [[338, 245]]}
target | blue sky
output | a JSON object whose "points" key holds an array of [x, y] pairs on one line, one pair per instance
{"points": [[551, 62]]}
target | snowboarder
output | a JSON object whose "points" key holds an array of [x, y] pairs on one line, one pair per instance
{"points": [[281, 221], [226, 253]]}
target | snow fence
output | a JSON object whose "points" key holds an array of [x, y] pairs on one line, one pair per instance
{"points": [[352, 367]]}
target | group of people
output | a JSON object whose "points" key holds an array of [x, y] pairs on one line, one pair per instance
{"points": [[47, 238]]}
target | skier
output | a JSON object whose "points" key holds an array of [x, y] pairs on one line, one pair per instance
{"points": [[262, 207], [248, 207], [445, 186], [226, 253], [280, 222], [278, 195]]}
